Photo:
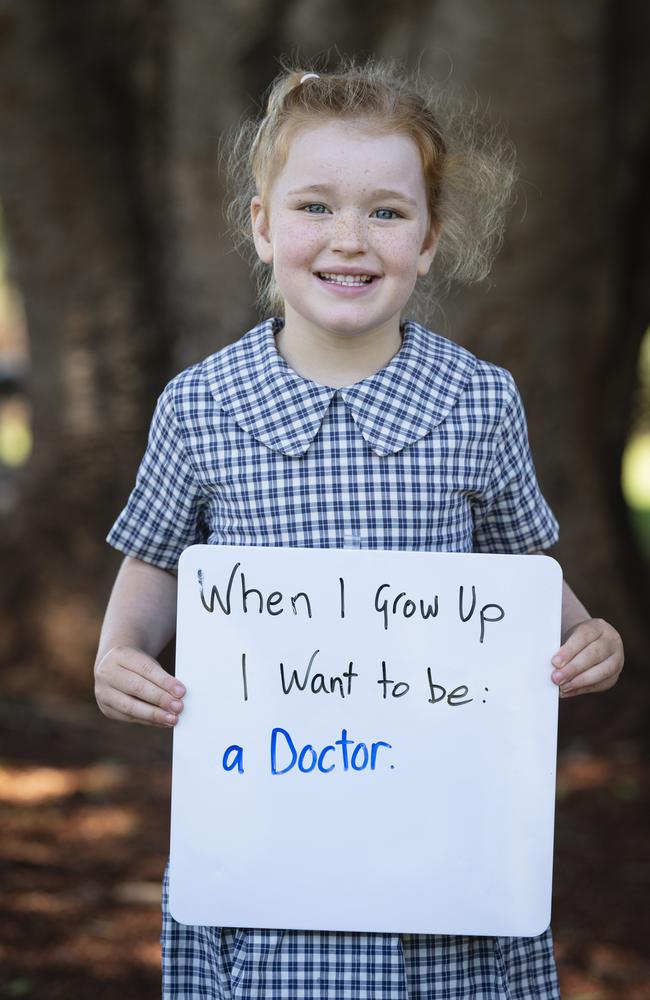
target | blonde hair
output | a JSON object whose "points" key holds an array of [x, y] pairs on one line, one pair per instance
{"points": [[468, 165]]}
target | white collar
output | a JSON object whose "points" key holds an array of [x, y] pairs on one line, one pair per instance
{"points": [[393, 408]]}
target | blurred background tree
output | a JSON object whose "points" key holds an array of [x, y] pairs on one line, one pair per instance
{"points": [[118, 272], [110, 116]]}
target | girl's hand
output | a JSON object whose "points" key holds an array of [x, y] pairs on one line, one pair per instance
{"points": [[590, 659], [132, 687]]}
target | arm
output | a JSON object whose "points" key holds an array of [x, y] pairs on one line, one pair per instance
{"points": [[591, 655], [130, 685]]}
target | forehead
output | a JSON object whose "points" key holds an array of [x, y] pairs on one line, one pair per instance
{"points": [[351, 154]]}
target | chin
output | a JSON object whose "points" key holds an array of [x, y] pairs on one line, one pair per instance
{"points": [[349, 326]]}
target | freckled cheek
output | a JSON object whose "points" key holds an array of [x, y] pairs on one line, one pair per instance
{"points": [[295, 248], [400, 253]]}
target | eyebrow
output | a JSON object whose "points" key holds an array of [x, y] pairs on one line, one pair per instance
{"points": [[380, 193]]}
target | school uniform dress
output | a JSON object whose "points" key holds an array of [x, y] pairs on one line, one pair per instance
{"points": [[431, 453]]}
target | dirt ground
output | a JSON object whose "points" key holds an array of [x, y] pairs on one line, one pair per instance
{"points": [[85, 806]]}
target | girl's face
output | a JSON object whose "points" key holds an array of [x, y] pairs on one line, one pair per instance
{"points": [[345, 226]]}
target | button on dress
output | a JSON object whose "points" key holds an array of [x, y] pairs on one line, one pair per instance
{"points": [[430, 453]]}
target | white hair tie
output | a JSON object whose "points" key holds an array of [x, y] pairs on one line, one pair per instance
{"points": [[309, 76]]}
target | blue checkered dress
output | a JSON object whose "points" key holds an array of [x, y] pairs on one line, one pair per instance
{"points": [[430, 453]]}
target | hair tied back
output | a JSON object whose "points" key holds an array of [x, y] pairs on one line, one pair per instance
{"points": [[468, 163]]}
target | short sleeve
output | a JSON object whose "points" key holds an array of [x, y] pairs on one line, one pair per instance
{"points": [[511, 515], [164, 514]]}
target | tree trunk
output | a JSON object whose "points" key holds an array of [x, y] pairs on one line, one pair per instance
{"points": [[570, 302], [80, 185]]}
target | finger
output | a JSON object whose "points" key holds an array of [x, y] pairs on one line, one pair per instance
{"points": [[598, 678], [134, 684], [584, 634], [586, 658], [140, 663], [120, 706]]}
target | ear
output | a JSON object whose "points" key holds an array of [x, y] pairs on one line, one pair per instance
{"points": [[261, 230], [429, 248]]}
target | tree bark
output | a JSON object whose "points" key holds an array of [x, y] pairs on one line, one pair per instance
{"points": [[79, 182]]}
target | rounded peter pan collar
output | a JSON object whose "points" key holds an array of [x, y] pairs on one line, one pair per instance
{"points": [[393, 408]]}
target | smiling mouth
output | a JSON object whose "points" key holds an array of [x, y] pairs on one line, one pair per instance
{"points": [[345, 279]]}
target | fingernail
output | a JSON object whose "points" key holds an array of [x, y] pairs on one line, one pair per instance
{"points": [[171, 720], [179, 690], [176, 706], [557, 660], [557, 676]]}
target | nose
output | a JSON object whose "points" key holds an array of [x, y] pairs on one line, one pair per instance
{"points": [[349, 233]]}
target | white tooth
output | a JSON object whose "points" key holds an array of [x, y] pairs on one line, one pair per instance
{"points": [[350, 279]]}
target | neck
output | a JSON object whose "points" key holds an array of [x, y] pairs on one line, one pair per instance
{"points": [[335, 359]]}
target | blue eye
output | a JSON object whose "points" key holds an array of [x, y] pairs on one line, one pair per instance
{"points": [[316, 208], [388, 213]]}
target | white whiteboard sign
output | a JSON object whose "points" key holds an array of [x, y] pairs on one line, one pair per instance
{"points": [[368, 741]]}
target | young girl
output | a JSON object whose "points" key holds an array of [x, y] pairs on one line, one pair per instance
{"points": [[333, 423]]}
